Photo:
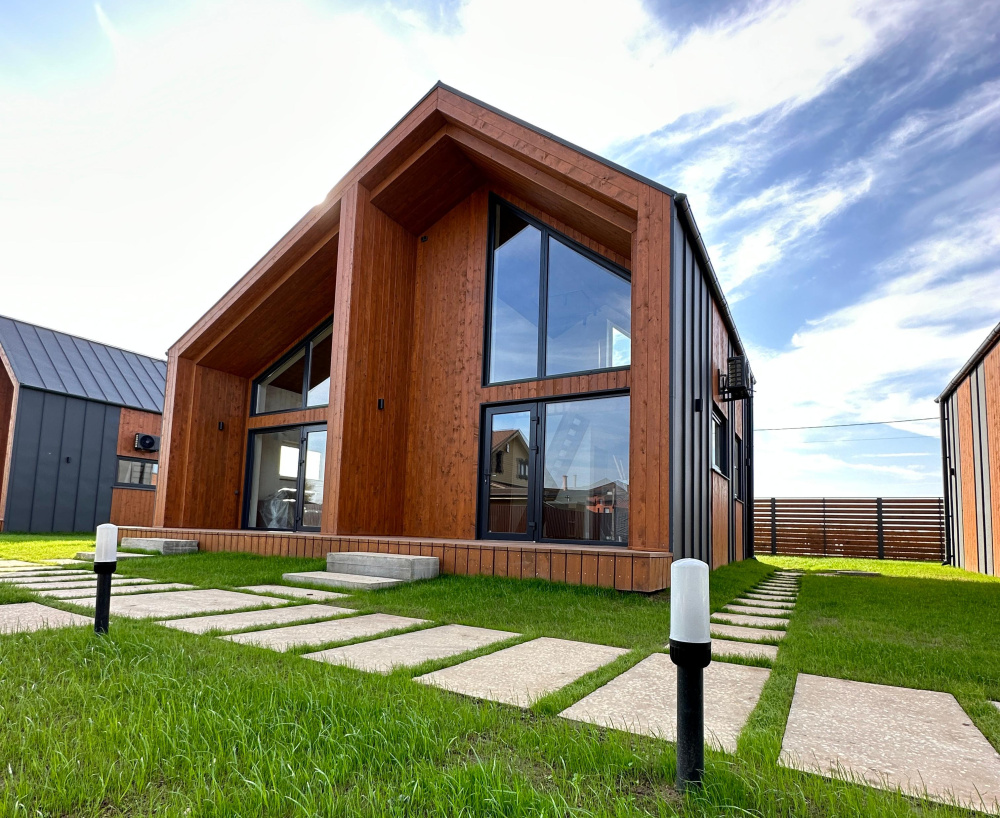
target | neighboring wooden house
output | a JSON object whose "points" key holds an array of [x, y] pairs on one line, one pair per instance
{"points": [[74, 415], [471, 277], [970, 445]]}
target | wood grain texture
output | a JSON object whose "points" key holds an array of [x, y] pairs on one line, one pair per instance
{"points": [[133, 422], [132, 506], [302, 417], [720, 520], [992, 371], [8, 414], [968, 477]]}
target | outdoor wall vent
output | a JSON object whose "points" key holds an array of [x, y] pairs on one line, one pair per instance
{"points": [[737, 382], [147, 443]]}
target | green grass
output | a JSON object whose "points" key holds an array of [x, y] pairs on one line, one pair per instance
{"points": [[156, 722], [51, 547], [888, 568]]}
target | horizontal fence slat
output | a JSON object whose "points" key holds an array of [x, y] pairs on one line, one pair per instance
{"points": [[910, 528]]}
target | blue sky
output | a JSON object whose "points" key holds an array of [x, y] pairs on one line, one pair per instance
{"points": [[842, 159]]}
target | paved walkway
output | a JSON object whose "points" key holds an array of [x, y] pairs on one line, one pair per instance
{"points": [[918, 741]]}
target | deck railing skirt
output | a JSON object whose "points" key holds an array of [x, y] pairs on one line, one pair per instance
{"points": [[900, 528]]}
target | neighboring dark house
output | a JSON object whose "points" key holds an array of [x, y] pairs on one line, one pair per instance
{"points": [[970, 447], [79, 431]]}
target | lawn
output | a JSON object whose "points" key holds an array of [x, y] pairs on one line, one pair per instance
{"points": [[51, 547], [152, 721]]}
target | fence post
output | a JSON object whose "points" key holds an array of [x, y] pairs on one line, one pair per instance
{"points": [[881, 530], [774, 527], [824, 526]]}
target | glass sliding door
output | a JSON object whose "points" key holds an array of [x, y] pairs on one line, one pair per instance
{"points": [[556, 471], [285, 478]]}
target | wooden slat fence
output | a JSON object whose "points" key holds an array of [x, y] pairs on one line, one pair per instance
{"points": [[892, 528]]}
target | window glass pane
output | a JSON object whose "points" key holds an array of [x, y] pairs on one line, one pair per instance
{"points": [[282, 389], [508, 504], [312, 494], [273, 486], [718, 444], [514, 301], [137, 472], [588, 315], [319, 369], [586, 466]]}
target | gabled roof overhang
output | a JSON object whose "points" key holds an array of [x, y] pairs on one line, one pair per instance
{"points": [[446, 146]]}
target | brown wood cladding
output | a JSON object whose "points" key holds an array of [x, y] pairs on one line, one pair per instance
{"points": [[8, 412], [991, 367], [720, 520], [133, 422], [738, 516], [132, 506], [302, 417], [610, 567], [968, 476]]}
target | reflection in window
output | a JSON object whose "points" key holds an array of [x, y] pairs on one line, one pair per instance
{"points": [[586, 320], [301, 380], [719, 442], [586, 468], [589, 314], [514, 305], [136, 472], [508, 497], [313, 480]]}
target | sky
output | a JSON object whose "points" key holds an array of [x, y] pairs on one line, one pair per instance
{"points": [[842, 160]]}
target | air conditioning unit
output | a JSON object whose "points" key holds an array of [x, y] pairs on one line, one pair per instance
{"points": [[147, 443], [737, 383]]}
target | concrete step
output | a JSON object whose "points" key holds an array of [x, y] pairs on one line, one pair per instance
{"points": [[88, 556], [159, 545], [405, 567], [333, 579]]}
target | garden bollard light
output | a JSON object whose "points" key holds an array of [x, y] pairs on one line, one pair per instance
{"points": [[105, 563], [691, 651]]}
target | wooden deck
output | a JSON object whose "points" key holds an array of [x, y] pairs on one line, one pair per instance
{"points": [[606, 567]]}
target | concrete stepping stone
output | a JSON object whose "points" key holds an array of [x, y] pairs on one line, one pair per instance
{"points": [[335, 580], [253, 619], [750, 621], [644, 700], [77, 595], [751, 634], [288, 590], [753, 610], [53, 575], [891, 737], [749, 650], [9, 563], [81, 582], [770, 596], [779, 586], [23, 617], [407, 567], [88, 556], [181, 603], [411, 649], [765, 603], [521, 674], [318, 633]]}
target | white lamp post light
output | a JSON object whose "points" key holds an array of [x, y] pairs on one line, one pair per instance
{"points": [[105, 563], [691, 651]]}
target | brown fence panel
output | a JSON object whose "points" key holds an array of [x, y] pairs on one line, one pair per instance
{"points": [[893, 528]]}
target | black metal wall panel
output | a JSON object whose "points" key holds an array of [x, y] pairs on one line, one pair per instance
{"points": [[63, 463]]}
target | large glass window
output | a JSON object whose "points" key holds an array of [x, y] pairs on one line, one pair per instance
{"points": [[555, 307], [287, 478], [571, 484], [585, 462], [299, 380]]}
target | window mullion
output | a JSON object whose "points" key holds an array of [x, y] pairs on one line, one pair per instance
{"points": [[543, 299]]}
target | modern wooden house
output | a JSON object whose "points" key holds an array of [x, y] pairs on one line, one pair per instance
{"points": [[970, 446], [79, 431], [485, 344]]}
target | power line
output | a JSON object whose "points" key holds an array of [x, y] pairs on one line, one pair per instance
{"points": [[911, 438], [841, 425]]}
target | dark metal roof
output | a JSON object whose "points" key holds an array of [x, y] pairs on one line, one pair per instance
{"points": [[56, 362], [983, 349]]}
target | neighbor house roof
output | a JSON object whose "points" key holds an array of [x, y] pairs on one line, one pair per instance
{"points": [[53, 361], [991, 341]]}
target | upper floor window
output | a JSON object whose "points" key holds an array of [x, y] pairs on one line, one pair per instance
{"points": [[555, 308], [299, 380], [135, 473], [719, 451]]}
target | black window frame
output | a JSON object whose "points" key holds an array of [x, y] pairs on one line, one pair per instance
{"points": [[495, 202], [536, 468], [304, 346], [722, 467], [300, 476], [739, 469], [138, 486]]}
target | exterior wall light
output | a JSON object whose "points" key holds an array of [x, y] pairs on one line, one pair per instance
{"points": [[691, 651], [105, 563]]}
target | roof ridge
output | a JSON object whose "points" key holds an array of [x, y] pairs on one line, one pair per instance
{"points": [[81, 338]]}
